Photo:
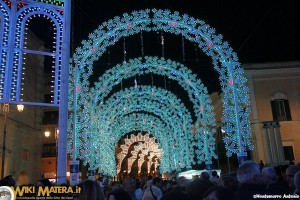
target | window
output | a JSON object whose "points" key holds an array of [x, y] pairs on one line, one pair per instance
{"points": [[288, 153], [24, 154], [281, 110], [280, 107]]}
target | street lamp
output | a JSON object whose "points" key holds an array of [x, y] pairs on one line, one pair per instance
{"points": [[5, 112]]}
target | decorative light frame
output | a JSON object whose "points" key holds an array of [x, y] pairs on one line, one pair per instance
{"points": [[232, 79], [167, 116], [14, 63], [205, 122], [146, 144], [182, 132]]}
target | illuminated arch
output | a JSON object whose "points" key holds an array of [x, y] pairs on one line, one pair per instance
{"points": [[125, 124], [146, 144], [23, 17], [174, 70], [4, 31], [181, 139], [225, 61], [154, 100]]}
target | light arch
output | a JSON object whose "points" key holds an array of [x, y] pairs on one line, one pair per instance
{"points": [[126, 124], [156, 127], [145, 143], [181, 139], [4, 48], [23, 15], [197, 94], [232, 80]]}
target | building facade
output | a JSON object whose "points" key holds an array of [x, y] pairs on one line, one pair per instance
{"points": [[275, 111], [24, 134]]}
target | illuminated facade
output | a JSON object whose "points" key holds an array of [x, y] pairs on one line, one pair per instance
{"points": [[83, 121], [233, 83], [275, 108]]}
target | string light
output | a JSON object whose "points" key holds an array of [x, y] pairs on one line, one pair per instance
{"points": [[232, 80]]}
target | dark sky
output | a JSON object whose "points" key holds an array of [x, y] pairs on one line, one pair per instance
{"points": [[257, 30]]}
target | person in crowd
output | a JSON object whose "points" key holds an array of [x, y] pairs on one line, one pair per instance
{"points": [[291, 162], [270, 180], [214, 177], [44, 182], [100, 182], [90, 190], [218, 193], [229, 181], [204, 175], [119, 194], [8, 181], [176, 195], [164, 186], [180, 180], [130, 186], [197, 188], [168, 186], [281, 177], [261, 165], [290, 174], [148, 184], [183, 184], [174, 185], [297, 183], [116, 185], [138, 191], [153, 192], [249, 177]]}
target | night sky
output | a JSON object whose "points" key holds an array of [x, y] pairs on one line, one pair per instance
{"points": [[257, 30]]}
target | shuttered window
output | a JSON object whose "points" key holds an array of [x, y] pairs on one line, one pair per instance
{"points": [[281, 110]]}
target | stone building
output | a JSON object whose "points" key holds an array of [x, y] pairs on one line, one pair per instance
{"points": [[275, 110], [24, 134]]}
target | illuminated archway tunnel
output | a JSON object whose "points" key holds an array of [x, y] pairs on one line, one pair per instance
{"points": [[179, 121], [197, 93], [178, 134], [232, 79]]}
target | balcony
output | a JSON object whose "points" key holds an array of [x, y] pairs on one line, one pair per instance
{"points": [[49, 150]]}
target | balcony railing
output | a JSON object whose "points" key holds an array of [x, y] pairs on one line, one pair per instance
{"points": [[49, 150]]}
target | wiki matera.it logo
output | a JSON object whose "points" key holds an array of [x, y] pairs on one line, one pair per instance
{"points": [[6, 193]]}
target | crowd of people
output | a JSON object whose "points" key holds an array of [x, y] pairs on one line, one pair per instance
{"points": [[251, 181]]}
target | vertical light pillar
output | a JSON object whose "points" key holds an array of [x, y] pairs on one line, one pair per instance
{"points": [[63, 104]]}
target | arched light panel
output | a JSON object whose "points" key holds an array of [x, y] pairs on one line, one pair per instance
{"points": [[232, 80], [4, 48], [25, 14]]}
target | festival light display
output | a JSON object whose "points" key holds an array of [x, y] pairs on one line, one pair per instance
{"points": [[143, 98], [146, 147], [15, 48], [155, 126], [4, 31], [54, 2], [197, 92], [18, 25], [232, 80]]}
